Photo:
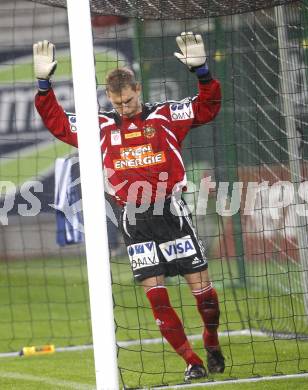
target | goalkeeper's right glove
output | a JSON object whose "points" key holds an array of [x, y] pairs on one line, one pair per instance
{"points": [[44, 63]]}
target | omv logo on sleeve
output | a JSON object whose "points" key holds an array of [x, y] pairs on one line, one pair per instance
{"points": [[142, 255], [72, 122], [181, 111], [178, 249]]}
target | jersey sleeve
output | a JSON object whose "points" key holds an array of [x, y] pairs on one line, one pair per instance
{"points": [[196, 111], [60, 124], [207, 103]]}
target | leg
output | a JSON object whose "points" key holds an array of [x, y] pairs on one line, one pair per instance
{"points": [[153, 282], [198, 280], [170, 325], [208, 307], [207, 303]]}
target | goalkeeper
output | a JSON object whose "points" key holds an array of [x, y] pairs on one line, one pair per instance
{"points": [[141, 146]]}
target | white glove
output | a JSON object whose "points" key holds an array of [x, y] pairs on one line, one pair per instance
{"points": [[44, 59], [192, 50]]}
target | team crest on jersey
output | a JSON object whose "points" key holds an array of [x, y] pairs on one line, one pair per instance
{"points": [[72, 122], [116, 137], [149, 131]]}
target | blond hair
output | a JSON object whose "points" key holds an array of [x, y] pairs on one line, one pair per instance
{"points": [[120, 78]]}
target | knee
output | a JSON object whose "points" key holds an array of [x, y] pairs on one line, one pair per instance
{"points": [[158, 298]]}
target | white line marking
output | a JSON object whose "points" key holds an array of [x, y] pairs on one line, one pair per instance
{"points": [[237, 381], [158, 340], [58, 349], [49, 381], [231, 333], [80, 386]]}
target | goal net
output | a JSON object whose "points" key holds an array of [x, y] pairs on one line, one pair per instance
{"points": [[247, 186]]}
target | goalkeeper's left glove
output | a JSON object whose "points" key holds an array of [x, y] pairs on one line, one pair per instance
{"points": [[192, 53], [44, 63]]}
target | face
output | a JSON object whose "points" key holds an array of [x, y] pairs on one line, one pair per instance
{"points": [[127, 103]]}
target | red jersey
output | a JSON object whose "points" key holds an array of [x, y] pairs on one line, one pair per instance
{"points": [[141, 155]]}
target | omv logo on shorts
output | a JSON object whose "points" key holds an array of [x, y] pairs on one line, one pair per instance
{"points": [[178, 249], [142, 255], [140, 249]]}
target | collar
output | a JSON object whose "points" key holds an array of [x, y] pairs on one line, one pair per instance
{"points": [[145, 112]]}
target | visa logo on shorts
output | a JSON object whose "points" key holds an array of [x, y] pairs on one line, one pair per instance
{"points": [[181, 111], [142, 255], [178, 249]]}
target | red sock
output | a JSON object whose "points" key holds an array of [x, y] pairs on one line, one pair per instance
{"points": [[170, 325], [208, 306]]}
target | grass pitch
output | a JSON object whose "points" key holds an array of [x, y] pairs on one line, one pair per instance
{"points": [[46, 301], [75, 370]]}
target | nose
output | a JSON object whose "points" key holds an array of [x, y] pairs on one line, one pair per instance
{"points": [[125, 108]]}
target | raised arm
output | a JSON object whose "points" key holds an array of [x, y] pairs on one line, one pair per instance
{"points": [[55, 119], [206, 104]]}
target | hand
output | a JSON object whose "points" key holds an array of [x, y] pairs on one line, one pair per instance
{"points": [[44, 60], [192, 50]]}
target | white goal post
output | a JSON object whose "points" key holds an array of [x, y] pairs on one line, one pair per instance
{"points": [[91, 176]]}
